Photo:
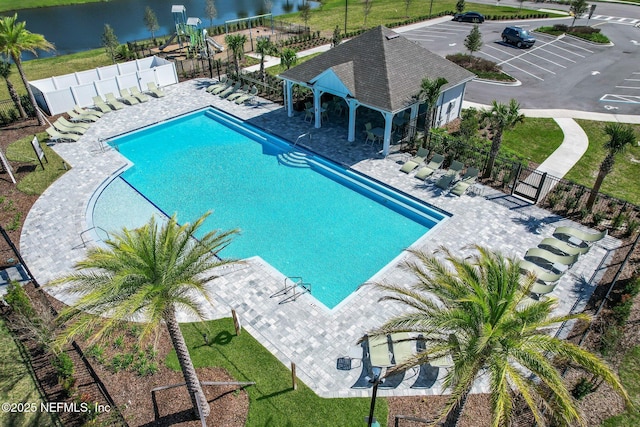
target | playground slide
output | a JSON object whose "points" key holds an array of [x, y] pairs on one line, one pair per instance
{"points": [[168, 41], [217, 46]]}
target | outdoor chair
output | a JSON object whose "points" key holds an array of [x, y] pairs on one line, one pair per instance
{"points": [[81, 110], [557, 245], [99, 103], [113, 101], [77, 117], [56, 136], [63, 125], [155, 90], [413, 162], [548, 258], [139, 95], [215, 85], [220, 88], [228, 91], [578, 237], [467, 180], [427, 373], [127, 98], [541, 274], [248, 96], [308, 112], [434, 164], [237, 94]]}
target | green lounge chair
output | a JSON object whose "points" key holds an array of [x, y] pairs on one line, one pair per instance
{"points": [[445, 181], [578, 237], [379, 351], [402, 348], [413, 162], [229, 83], [554, 261], [78, 109], [215, 85], [562, 246], [113, 101], [434, 164], [228, 91], [155, 90], [247, 97], [127, 98], [77, 117], [455, 168], [240, 92], [542, 275], [63, 125], [540, 289], [428, 374], [56, 136], [468, 179], [138, 95], [99, 103]]}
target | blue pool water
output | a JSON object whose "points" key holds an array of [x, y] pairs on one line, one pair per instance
{"points": [[302, 214]]}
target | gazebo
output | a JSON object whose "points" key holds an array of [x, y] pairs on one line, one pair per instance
{"points": [[383, 71]]}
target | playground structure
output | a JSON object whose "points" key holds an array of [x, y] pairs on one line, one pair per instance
{"points": [[191, 35]]}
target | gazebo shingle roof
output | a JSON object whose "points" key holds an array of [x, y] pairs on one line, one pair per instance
{"points": [[381, 69]]}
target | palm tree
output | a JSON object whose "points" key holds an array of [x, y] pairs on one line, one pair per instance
{"points": [[5, 72], [477, 312], [264, 47], [620, 137], [235, 43], [147, 273], [429, 93], [288, 57], [501, 117], [15, 39]]}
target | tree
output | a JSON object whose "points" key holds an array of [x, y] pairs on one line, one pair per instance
{"points": [[147, 273], [264, 47], [305, 13], [288, 57], [366, 10], [473, 41], [620, 137], [151, 21], [501, 117], [110, 42], [5, 72], [210, 11], [476, 312], [235, 43], [460, 6], [469, 123], [429, 93], [407, 3], [15, 39], [577, 9], [336, 39]]}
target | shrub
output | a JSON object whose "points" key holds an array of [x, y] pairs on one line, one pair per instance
{"points": [[610, 339], [582, 388], [64, 366], [18, 300]]}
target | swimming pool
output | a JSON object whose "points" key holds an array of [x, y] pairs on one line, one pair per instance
{"points": [[302, 214]]}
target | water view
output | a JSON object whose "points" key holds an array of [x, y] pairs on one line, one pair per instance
{"points": [[79, 27]]}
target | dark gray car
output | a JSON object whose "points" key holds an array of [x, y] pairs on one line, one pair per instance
{"points": [[518, 37]]}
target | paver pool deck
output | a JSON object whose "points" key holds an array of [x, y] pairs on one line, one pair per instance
{"points": [[304, 332]]}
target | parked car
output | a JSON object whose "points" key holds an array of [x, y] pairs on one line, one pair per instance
{"points": [[518, 37], [469, 17]]}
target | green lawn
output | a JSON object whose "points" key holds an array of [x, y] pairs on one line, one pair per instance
{"points": [[629, 373], [17, 386], [28, 4], [273, 402], [534, 139], [38, 180], [622, 181]]}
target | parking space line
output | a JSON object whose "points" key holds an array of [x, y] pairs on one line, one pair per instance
{"points": [[566, 50], [632, 80], [625, 99], [558, 55], [520, 57], [512, 66], [575, 45], [627, 87], [545, 59]]}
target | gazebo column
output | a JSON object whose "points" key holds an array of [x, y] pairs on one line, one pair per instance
{"points": [[288, 91], [317, 96], [388, 122], [352, 103]]}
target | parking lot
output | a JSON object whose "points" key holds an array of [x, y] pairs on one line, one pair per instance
{"points": [[557, 72]]}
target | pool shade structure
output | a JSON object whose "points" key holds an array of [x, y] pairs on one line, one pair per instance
{"points": [[58, 94], [383, 71]]}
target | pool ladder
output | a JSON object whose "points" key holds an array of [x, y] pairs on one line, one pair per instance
{"points": [[304, 135], [294, 284]]}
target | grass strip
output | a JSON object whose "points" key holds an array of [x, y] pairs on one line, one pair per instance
{"points": [[272, 399], [629, 373]]}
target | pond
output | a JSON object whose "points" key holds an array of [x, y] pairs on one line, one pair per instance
{"points": [[79, 27]]}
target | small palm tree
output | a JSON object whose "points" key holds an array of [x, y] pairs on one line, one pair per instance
{"points": [[476, 311], [5, 72], [147, 273], [15, 39], [429, 93], [288, 57], [620, 137], [264, 47], [501, 117], [235, 43]]}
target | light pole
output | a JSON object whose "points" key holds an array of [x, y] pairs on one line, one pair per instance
{"points": [[346, 2], [376, 381], [430, 8]]}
